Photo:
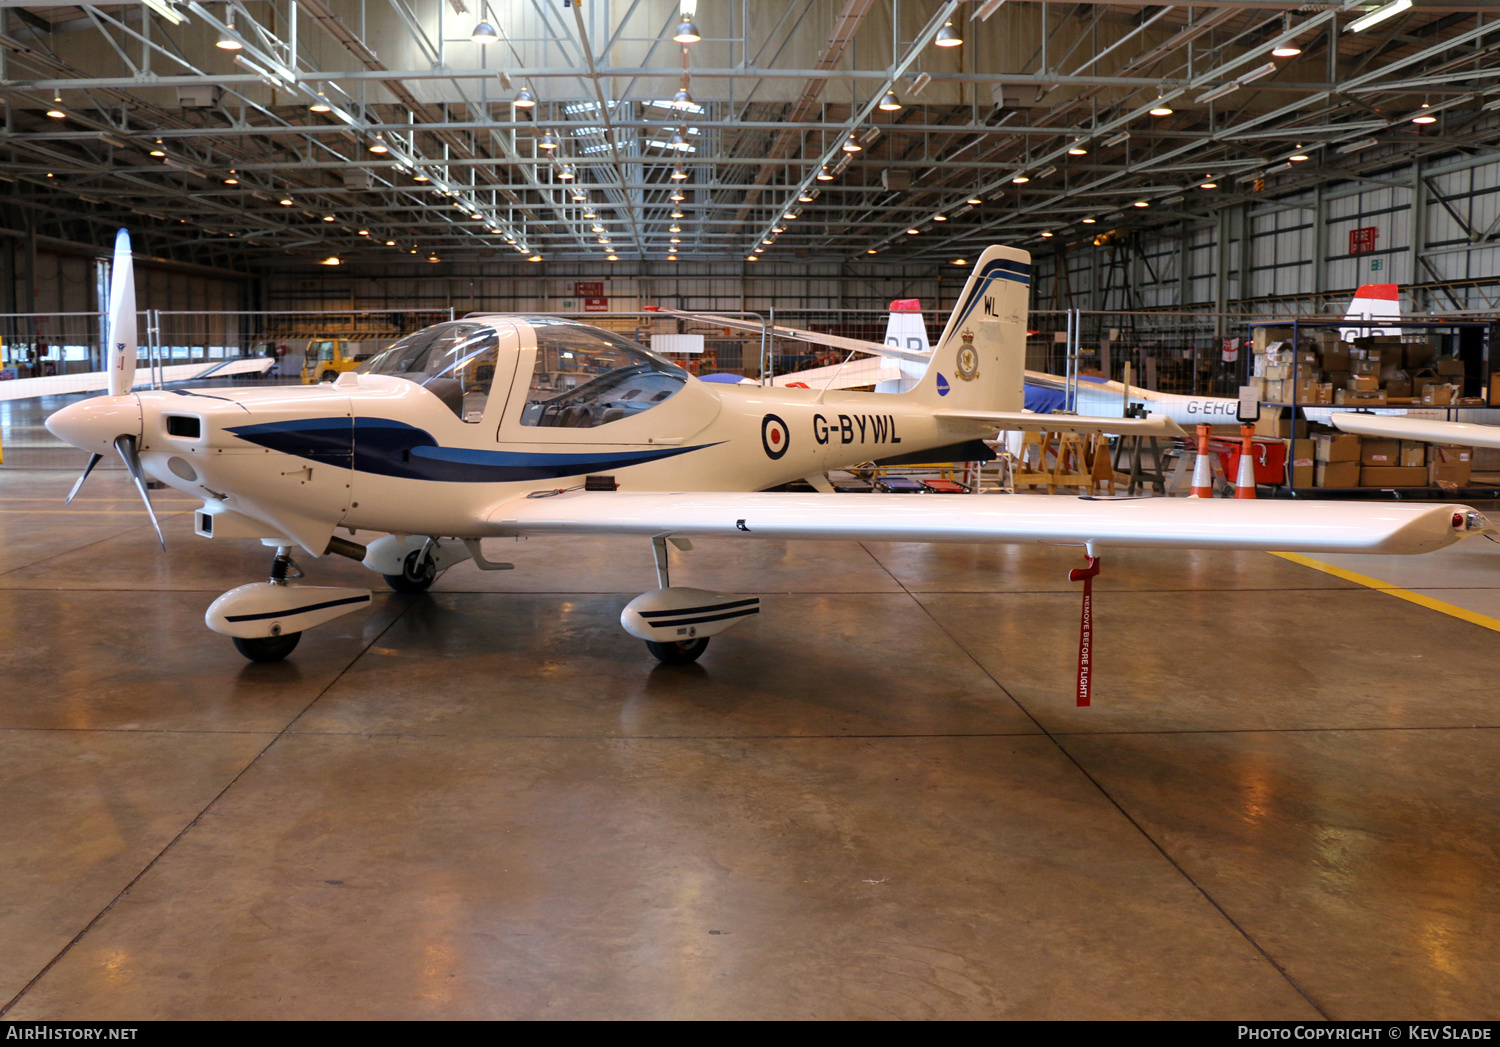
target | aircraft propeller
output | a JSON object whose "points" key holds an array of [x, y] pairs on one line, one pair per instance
{"points": [[86, 419]]}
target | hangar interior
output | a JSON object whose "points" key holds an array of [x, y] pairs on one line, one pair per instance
{"points": [[878, 798]]}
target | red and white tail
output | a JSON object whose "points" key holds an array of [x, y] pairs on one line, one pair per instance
{"points": [[905, 330], [1373, 302]]}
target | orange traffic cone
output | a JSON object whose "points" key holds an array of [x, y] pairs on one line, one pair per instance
{"points": [[1244, 480], [1203, 479]]}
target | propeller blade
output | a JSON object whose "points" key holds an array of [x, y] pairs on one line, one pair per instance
{"points": [[94, 459], [122, 330], [125, 445]]}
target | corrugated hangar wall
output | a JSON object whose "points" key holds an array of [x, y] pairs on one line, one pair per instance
{"points": [[465, 287], [1303, 252]]}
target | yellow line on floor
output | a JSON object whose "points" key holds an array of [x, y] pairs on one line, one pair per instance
{"points": [[1429, 602]]}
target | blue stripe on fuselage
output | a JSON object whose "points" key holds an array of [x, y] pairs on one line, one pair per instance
{"points": [[384, 447]]}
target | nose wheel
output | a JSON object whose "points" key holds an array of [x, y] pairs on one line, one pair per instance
{"points": [[266, 648], [418, 572], [678, 652]]}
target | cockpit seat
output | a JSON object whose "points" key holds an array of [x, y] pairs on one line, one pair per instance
{"points": [[448, 390]]}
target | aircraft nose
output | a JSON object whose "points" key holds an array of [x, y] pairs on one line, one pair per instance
{"points": [[93, 424]]}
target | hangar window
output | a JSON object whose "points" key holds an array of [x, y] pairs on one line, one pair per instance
{"points": [[455, 361], [586, 377]]}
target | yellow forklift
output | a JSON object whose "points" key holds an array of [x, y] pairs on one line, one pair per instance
{"points": [[327, 358]]}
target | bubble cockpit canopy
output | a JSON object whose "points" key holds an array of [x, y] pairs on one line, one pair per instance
{"points": [[583, 376]]}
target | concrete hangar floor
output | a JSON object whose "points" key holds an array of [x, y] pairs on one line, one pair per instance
{"points": [[875, 800]]}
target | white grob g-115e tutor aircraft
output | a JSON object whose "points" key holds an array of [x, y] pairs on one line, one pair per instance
{"points": [[499, 426]]}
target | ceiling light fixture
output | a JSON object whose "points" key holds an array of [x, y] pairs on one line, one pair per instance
{"points": [[1021, 178], [158, 151], [285, 201], [566, 174], [677, 196], [524, 99], [678, 174], [1354, 147], [547, 141], [824, 176], [948, 36], [332, 259], [57, 112], [1142, 203], [687, 32], [321, 105], [1210, 184], [1089, 221], [890, 103], [1218, 92], [939, 218], [484, 34], [1123, 136], [1375, 17], [226, 41], [681, 100], [1161, 108], [379, 146], [850, 145], [1288, 48], [1078, 149]]}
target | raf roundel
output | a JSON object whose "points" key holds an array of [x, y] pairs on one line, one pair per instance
{"points": [[774, 436]]}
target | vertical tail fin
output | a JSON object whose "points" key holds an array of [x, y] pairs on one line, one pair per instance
{"points": [[980, 361], [906, 330], [1373, 302]]}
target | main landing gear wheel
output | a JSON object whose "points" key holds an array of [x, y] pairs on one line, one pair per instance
{"points": [[418, 572], [678, 652], [329, 376], [267, 648]]}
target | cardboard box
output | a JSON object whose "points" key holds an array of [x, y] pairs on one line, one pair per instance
{"points": [[1398, 387], [1274, 422], [1336, 474], [1362, 383], [1348, 399], [1419, 354], [1365, 367], [1495, 390], [1438, 395], [1336, 447], [1299, 462], [1334, 357], [1391, 476], [1451, 465], [1413, 453], [1449, 366], [1379, 452], [1262, 337]]}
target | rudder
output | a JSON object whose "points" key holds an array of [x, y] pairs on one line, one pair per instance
{"points": [[980, 360]]}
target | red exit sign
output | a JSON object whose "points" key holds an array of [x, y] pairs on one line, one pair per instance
{"points": [[1362, 241], [585, 289]]}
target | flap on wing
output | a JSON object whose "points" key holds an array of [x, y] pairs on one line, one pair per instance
{"points": [[1352, 527], [1152, 425]]}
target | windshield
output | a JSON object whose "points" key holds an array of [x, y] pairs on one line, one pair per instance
{"points": [[455, 361], [586, 377]]}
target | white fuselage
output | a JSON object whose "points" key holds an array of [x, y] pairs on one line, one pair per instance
{"points": [[381, 453]]}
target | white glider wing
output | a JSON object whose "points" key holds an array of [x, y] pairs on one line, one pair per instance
{"points": [[1432, 430], [854, 345], [1153, 425], [1328, 527], [93, 381]]}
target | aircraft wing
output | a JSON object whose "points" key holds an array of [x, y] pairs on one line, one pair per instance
{"points": [[835, 341], [1433, 430], [93, 381], [1152, 425], [1328, 527]]}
